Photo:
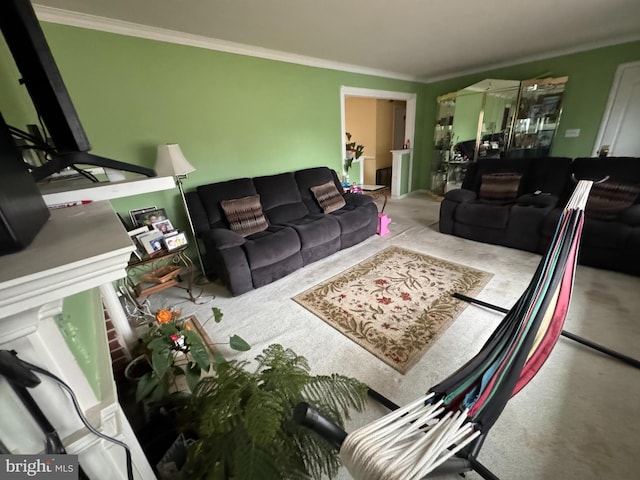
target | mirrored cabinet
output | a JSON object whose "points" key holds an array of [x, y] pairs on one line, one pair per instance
{"points": [[538, 116], [493, 118]]}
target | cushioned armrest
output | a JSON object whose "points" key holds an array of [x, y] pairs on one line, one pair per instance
{"points": [[460, 195], [630, 216], [223, 238], [540, 200], [357, 199]]}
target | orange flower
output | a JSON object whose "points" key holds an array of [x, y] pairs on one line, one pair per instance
{"points": [[164, 316]]}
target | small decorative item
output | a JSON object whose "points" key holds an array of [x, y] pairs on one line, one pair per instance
{"points": [[383, 224], [163, 225], [150, 217], [173, 242], [151, 241], [353, 152], [133, 214]]}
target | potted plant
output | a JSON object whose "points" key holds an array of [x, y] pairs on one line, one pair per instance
{"points": [[173, 353], [242, 418], [353, 152], [238, 420]]}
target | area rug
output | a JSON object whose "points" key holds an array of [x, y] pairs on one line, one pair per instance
{"points": [[396, 303]]}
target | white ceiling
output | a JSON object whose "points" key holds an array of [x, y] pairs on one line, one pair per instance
{"points": [[411, 39]]}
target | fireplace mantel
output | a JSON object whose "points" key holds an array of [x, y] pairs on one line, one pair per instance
{"points": [[77, 249], [81, 248]]}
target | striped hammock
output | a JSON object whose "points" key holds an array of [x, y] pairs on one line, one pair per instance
{"points": [[412, 441]]}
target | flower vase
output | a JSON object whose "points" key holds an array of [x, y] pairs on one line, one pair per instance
{"points": [[345, 180]]}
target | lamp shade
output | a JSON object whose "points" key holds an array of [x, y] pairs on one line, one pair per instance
{"points": [[170, 161]]}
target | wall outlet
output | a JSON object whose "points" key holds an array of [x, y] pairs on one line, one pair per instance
{"points": [[572, 132]]}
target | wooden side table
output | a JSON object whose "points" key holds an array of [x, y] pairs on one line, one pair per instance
{"points": [[152, 275], [377, 191]]}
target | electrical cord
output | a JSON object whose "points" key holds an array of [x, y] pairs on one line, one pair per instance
{"points": [[78, 409]]}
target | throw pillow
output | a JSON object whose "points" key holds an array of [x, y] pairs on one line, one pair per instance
{"points": [[608, 199], [328, 196], [500, 187], [245, 215]]}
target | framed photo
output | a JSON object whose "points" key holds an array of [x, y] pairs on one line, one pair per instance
{"points": [[173, 242], [150, 217], [151, 241], [544, 138], [163, 225], [134, 213], [550, 105]]}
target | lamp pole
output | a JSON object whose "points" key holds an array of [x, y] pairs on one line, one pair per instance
{"points": [[179, 179]]}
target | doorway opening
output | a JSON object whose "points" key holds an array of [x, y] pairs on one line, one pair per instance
{"points": [[392, 129]]}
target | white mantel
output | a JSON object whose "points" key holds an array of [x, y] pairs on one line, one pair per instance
{"points": [[397, 172], [66, 191], [78, 249]]}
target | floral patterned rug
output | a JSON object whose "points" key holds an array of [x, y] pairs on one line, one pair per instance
{"points": [[396, 303]]}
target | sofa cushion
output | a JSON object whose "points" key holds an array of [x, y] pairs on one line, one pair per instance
{"points": [[608, 199], [311, 177], [271, 246], [204, 204], [483, 215], [245, 215], [328, 197], [500, 187], [280, 198]]}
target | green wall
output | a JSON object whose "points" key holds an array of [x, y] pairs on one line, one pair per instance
{"points": [[232, 115], [237, 116], [590, 75]]}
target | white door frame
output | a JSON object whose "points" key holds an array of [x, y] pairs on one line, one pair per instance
{"points": [[410, 124], [612, 97]]}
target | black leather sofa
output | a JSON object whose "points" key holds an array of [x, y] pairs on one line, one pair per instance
{"points": [[293, 230], [527, 218]]}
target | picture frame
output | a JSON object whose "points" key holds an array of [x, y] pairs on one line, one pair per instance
{"points": [[151, 241], [164, 226], [138, 211], [550, 105], [173, 242], [150, 217]]}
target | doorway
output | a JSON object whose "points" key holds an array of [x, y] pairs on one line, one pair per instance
{"points": [[618, 134], [401, 105]]}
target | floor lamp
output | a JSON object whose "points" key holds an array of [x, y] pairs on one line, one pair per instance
{"points": [[170, 162]]}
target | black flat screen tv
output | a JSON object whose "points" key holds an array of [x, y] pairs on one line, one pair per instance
{"points": [[25, 38]]}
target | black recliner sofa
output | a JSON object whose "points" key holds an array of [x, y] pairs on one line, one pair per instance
{"points": [[527, 219], [611, 232], [505, 201], [287, 226]]}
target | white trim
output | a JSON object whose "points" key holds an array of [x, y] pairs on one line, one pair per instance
{"points": [[103, 24], [121, 27], [612, 97], [534, 58], [107, 190], [410, 124]]}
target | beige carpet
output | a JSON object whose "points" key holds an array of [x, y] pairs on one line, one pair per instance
{"points": [[396, 303], [576, 420]]}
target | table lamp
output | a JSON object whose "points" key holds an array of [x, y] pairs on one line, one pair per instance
{"points": [[170, 162]]}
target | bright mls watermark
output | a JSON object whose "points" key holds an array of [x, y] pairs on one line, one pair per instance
{"points": [[51, 467]]}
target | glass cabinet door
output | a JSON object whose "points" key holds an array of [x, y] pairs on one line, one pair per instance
{"points": [[538, 117], [443, 142]]}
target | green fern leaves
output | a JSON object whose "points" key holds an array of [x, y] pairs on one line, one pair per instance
{"points": [[243, 419]]}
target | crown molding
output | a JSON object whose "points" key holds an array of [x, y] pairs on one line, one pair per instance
{"points": [[537, 57], [121, 27]]}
